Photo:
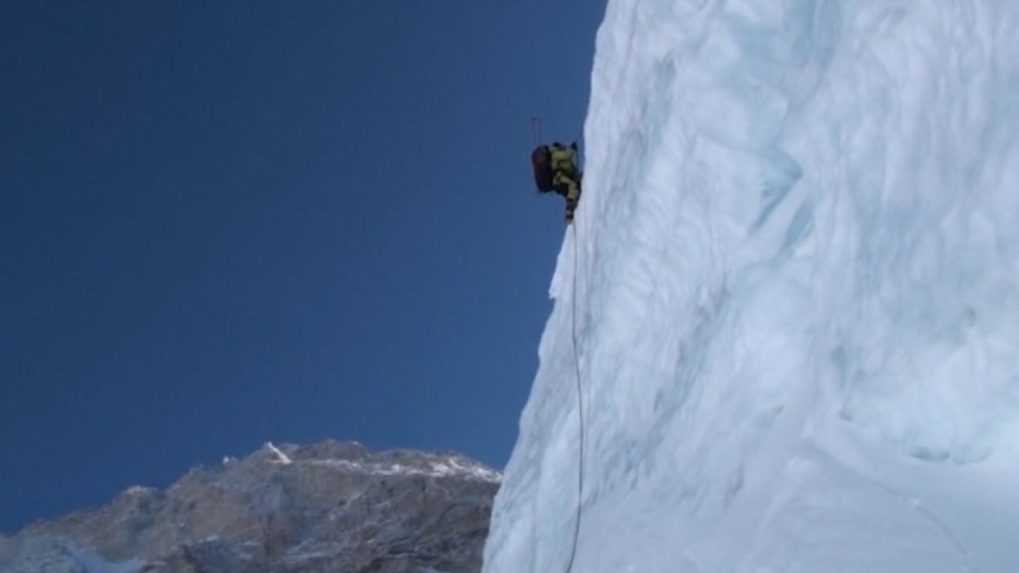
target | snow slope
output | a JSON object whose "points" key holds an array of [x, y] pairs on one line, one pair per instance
{"points": [[796, 295]]}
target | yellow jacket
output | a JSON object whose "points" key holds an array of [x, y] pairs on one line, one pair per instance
{"points": [[563, 159]]}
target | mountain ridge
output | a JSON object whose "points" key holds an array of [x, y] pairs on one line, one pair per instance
{"points": [[329, 506]]}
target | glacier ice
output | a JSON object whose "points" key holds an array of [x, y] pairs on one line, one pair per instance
{"points": [[795, 276]]}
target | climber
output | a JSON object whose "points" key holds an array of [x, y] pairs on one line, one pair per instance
{"points": [[555, 169]]}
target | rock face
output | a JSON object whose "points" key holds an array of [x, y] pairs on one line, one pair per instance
{"points": [[329, 507]]}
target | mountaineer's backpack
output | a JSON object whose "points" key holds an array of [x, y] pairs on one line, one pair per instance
{"points": [[541, 163]]}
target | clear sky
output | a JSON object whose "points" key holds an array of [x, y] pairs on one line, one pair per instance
{"points": [[229, 222]]}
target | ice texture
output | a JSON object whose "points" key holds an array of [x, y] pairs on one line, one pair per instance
{"points": [[794, 284]]}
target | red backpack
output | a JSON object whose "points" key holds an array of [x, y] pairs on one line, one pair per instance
{"points": [[541, 162]]}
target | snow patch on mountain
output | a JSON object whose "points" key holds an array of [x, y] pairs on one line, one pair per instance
{"points": [[450, 467], [281, 458], [395, 463]]}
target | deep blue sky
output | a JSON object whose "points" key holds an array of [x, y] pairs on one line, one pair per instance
{"points": [[223, 223]]}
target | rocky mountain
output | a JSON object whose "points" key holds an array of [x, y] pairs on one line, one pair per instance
{"points": [[328, 507]]}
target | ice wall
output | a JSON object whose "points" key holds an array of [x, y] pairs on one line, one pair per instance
{"points": [[797, 298]]}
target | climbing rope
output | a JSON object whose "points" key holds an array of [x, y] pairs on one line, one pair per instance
{"points": [[536, 131], [580, 403]]}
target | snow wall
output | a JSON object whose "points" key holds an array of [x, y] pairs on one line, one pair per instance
{"points": [[795, 295]]}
